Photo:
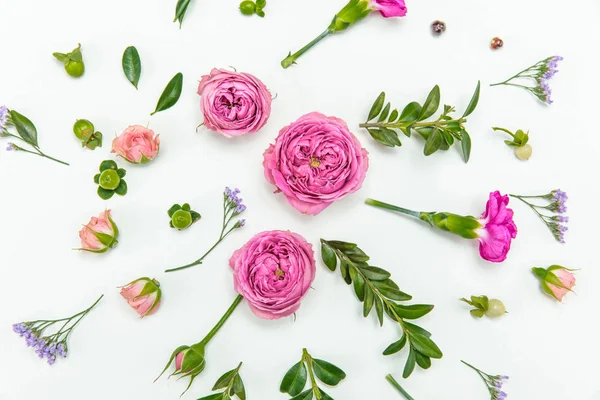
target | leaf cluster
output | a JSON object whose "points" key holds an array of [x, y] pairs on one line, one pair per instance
{"points": [[375, 289], [232, 384], [297, 376], [439, 134], [481, 304]]}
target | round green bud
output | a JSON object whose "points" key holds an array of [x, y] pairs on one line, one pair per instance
{"points": [[75, 68], [181, 219], [523, 152], [81, 127], [495, 309], [109, 179], [247, 7]]}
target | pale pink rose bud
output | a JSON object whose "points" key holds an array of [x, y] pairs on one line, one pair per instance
{"points": [[143, 295], [100, 234], [137, 144], [556, 281]]}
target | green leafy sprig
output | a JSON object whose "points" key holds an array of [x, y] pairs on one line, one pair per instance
{"points": [[439, 134], [375, 289], [232, 384], [295, 379]]}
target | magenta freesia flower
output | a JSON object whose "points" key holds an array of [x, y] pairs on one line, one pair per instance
{"points": [[136, 144], [316, 161], [273, 272], [498, 228], [389, 8], [234, 103]]}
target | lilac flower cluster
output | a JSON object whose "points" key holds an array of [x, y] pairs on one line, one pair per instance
{"points": [[3, 117], [494, 383], [45, 347], [558, 206], [232, 200]]}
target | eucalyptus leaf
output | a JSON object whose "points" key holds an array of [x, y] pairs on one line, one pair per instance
{"points": [[132, 65], [474, 100], [25, 128], [431, 104], [377, 106], [294, 380], [327, 372], [171, 94]]}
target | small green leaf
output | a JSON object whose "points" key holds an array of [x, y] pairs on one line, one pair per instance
{"points": [[396, 346], [121, 172], [466, 145], [368, 303], [60, 56], [423, 361], [409, 367], [425, 345], [336, 244], [416, 329], [389, 290], [132, 65], [327, 372], [105, 194], [359, 284], [175, 207], [294, 380], [474, 100], [214, 396], [356, 255], [477, 313], [411, 112], [325, 396], [121, 190], [379, 309], [433, 143], [413, 311], [238, 387], [379, 136], [393, 116], [224, 380], [375, 273], [391, 136], [195, 216], [180, 10], [377, 106], [328, 255], [97, 178], [431, 104], [306, 395], [25, 127], [108, 164], [385, 112], [171, 94], [448, 138], [186, 207]]}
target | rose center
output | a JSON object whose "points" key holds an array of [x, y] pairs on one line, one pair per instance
{"points": [[280, 274], [315, 162]]}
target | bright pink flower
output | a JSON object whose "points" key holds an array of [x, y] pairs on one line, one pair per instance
{"points": [[136, 144], [273, 271], [100, 234], [316, 161], [143, 295], [556, 281], [234, 103], [498, 228], [389, 8]]}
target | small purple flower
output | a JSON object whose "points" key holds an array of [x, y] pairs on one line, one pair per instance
{"points": [[10, 147], [240, 208], [3, 117], [61, 350], [241, 223]]}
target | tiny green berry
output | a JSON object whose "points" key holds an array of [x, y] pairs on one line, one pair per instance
{"points": [[75, 68], [495, 309], [109, 179], [81, 127], [247, 7], [181, 219], [523, 152]]}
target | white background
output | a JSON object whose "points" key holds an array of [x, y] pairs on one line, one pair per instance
{"points": [[549, 349]]}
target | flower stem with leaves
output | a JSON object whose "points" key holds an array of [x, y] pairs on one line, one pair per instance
{"points": [[439, 134], [232, 382], [375, 288]]}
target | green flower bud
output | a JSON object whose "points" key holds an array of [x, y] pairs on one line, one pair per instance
{"points": [[352, 12], [463, 226], [83, 129], [181, 219], [248, 7], [109, 179]]}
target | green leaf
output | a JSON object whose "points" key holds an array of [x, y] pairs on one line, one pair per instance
{"points": [[411, 112], [121, 172], [325, 396], [377, 106], [306, 395], [448, 138], [416, 329], [466, 145], [391, 136], [171, 94], [173, 209], [186, 207], [433, 143], [105, 194], [474, 100], [327, 372], [180, 10], [357, 255], [477, 313], [328, 255], [261, 3], [389, 290], [97, 178], [294, 380], [132, 65], [108, 164], [379, 136], [344, 270], [413, 311], [409, 367], [238, 387], [60, 56], [393, 116], [425, 345], [121, 190], [25, 127], [385, 112], [195, 216], [375, 273], [336, 244], [396, 346], [379, 309], [224, 380], [359, 284], [214, 396], [431, 104], [423, 361], [368, 303]]}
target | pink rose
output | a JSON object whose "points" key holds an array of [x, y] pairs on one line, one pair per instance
{"points": [[273, 271], [556, 281], [136, 144], [498, 228], [315, 161], [100, 234], [389, 8], [143, 295], [234, 103]]}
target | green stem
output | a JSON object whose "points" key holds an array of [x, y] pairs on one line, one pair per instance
{"points": [[39, 153], [379, 204], [308, 360], [395, 384], [223, 319], [291, 59], [198, 261], [398, 125], [504, 130]]}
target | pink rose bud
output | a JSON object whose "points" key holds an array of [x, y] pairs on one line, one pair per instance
{"points": [[234, 103], [316, 161], [389, 8], [143, 295], [273, 272], [556, 281], [137, 144], [100, 234]]}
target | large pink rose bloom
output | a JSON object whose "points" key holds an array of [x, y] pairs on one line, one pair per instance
{"points": [[389, 8], [273, 272], [498, 228], [234, 103], [136, 144], [316, 161]]}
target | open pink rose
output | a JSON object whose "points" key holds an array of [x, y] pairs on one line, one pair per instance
{"points": [[316, 161], [234, 103], [136, 144], [100, 234], [273, 272], [143, 295], [389, 8], [498, 228]]}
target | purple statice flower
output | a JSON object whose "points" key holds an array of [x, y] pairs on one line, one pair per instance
{"points": [[544, 92], [240, 223], [557, 222], [61, 350], [494, 383], [3, 117], [10, 147]]}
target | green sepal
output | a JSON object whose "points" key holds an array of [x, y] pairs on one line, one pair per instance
{"points": [[105, 194], [105, 239], [195, 216], [121, 190], [60, 56], [352, 12], [121, 172], [173, 355], [97, 178], [108, 164], [175, 207], [186, 207], [460, 225]]}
